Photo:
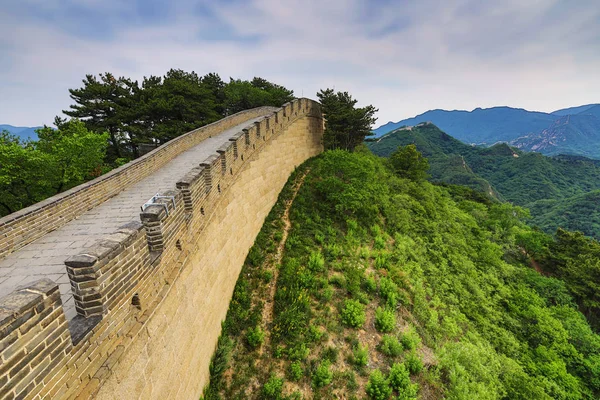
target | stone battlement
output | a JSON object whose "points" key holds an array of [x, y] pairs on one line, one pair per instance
{"points": [[150, 295]]}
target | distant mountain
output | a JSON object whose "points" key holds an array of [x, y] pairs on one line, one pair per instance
{"points": [[573, 110], [551, 187], [573, 130], [22, 132]]}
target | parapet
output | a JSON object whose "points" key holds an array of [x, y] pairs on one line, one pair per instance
{"points": [[118, 282]]}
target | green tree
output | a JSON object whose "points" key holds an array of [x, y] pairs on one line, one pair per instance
{"points": [[102, 103], [242, 95], [61, 159], [346, 125], [409, 163]]}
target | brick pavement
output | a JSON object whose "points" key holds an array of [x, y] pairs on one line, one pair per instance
{"points": [[44, 258]]}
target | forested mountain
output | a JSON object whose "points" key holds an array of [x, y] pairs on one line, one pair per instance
{"points": [[364, 284], [545, 185], [573, 130]]}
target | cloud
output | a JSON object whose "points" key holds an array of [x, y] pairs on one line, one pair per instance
{"points": [[402, 56]]}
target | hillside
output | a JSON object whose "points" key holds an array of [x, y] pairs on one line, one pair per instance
{"points": [[22, 132], [506, 174], [574, 130], [365, 285]]}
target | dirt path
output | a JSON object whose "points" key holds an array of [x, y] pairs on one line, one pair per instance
{"points": [[273, 265]]}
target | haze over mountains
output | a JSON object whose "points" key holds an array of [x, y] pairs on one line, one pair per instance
{"points": [[574, 130], [22, 132]]}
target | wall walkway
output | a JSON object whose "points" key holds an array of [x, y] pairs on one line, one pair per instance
{"points": [[138, 311]]}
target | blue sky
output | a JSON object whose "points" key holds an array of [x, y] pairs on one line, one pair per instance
{"points": [[404, 57]]}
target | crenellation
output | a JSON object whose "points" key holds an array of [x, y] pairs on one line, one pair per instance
{"points": [[134, 311]]}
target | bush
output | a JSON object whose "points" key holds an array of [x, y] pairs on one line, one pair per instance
{"points": [[272, 388], [410, 339], [378, 387], [369, 284], [385, 320], [322, 375], [295, 371], [255, 337], [413, 363], [390, 346], [330, 353], [316, 262], [388, 291], [360, 356], [353, 314], [298, 352], [399, 380]]}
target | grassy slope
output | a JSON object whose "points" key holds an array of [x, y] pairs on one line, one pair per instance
{"points": [[434, 263], [519, 177]]}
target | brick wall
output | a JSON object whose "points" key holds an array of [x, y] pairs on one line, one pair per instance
{"points": [[26, 225], [150, 297]]}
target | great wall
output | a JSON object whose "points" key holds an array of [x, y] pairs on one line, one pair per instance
{"points": [[116, 289]]}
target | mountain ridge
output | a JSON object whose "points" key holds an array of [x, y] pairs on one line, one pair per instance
{"points": [[22, 132], [574, 130]]}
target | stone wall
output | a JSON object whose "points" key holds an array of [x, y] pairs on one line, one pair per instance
{"points": [[26, 225], [151, 297]]}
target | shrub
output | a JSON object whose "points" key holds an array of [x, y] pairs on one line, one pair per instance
{"points": [[298, 352], [353, 314], [326, 293], [295, 371], [381, 262], [272, 388], [330, 353], [316, 262], [410, 339], [267, 276], [385, 320], [360, 356], [378, 387], [399, 380], [255, 337], [413, 363], [379, 243], [338, 280], [315, 333], [399, 377], [388, 291], [322, 375], [390, 346], [369, 284]]}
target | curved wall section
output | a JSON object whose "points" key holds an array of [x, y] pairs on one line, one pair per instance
{"points": [[151, 296]]}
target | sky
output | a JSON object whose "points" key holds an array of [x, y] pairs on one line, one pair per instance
{"points": [[402, 56]]}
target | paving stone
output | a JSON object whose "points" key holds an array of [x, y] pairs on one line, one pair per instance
{"points": [[45, 257]]}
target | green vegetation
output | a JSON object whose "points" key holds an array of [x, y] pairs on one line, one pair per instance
{"points": [[559, 192], [473, 320], [346, 126], [60, 159]]}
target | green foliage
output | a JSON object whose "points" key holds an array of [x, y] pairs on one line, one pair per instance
{"points": [[385, 320], [360, 355], [413, 363], [272, 388], [378, 387], [399, 380], [409, 163], [353, 314], [322, 375], [494, 326], [346, 126], [59, 160], [316, 262], [388, 291], [255, 337], [410, 339], [559, 191], [390, 346], [295, 371]]}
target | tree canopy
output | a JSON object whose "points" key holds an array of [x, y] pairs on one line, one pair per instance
{"points": [[346, 125]]}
